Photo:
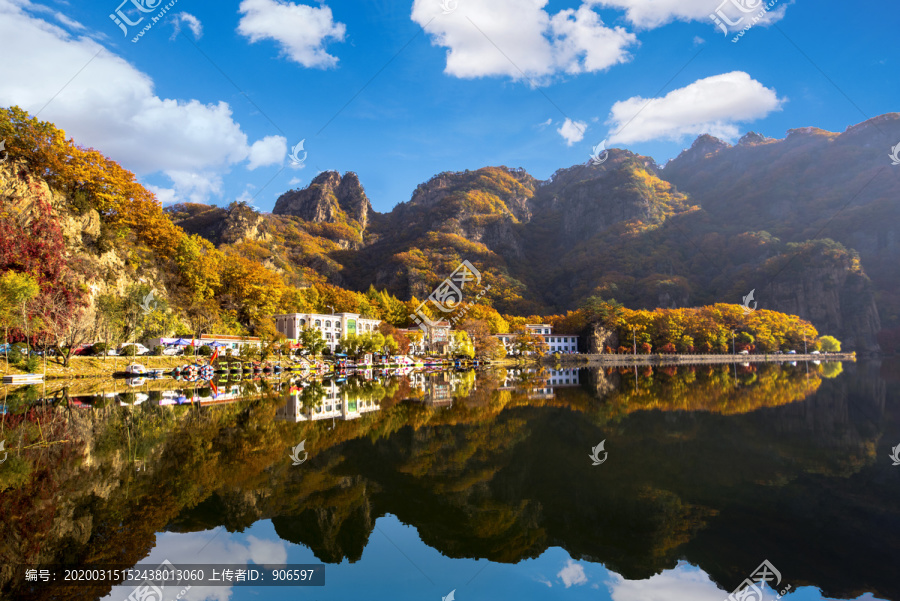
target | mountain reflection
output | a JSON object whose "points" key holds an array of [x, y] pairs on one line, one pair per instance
{"points": [[719, 466]]}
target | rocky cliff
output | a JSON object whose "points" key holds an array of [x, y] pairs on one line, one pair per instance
{"points": [[329, 198]]}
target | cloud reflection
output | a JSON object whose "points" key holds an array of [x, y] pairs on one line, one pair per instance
{"points": [[208, 548]]}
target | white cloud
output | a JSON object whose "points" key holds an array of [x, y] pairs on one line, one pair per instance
{"points": [[518, 38], [301, 31], [192, 22], [572, 131], [572, 574], [40, 8], [712, 105], [684, 583], [294, 181], [268, 151], [166, 196], [113, 107], [649, 14], [195, 186]]}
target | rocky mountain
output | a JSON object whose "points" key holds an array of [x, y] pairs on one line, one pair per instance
{"points": [[809, 222], [328, 198]]}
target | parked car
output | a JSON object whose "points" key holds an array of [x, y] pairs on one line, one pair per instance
{"points": [[82, 349], [140, 348], [792, 352], [744, 352], [172, 351], [815, 353]]}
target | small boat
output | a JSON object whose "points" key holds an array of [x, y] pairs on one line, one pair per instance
{"points": [[136, 369], [23, 378]]}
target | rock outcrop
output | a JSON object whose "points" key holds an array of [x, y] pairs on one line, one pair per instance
{"points": [[329, 198]]}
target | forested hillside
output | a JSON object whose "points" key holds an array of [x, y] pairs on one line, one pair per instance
{"points": [[558, 251]]}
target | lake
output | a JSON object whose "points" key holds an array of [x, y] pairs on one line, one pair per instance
{"points": [[655, 483]]}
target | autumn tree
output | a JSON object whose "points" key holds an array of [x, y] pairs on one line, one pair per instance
{"points": [[311, 341], [527, 342], [479, 333], [830, 344], [17, 294], [461, 344], [71, 326]]}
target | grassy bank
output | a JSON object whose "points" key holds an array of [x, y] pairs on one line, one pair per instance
{"points": [[91, 367]]}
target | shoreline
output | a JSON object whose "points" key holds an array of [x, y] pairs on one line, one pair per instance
{"points": [[675, 359], [92, 367]]}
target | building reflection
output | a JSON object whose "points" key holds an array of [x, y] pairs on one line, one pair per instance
{"points": [[333, 402], [539, 385]]}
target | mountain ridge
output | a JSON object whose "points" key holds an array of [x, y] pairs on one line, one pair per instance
{"points": [[713, 223]]}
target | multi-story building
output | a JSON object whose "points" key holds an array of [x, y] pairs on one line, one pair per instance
{"points": [[332, 327], [415, 348], [555, 342], [439, 338]]}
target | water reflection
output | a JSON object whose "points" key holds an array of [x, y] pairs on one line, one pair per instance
{"points": [[710, 470]]}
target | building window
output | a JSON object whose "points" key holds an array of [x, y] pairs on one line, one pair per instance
{"points": [[302, 322], [318, 323], [328, 336], [327, 324]]}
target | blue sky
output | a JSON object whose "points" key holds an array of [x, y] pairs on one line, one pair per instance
{"points": [[399, 91], [396, 564]]}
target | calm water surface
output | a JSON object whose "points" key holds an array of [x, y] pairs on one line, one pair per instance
{"points": [[480, 484]]}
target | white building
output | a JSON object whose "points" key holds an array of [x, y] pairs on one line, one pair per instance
{"points": [[333, 327], [555, 343], [228, 345]]}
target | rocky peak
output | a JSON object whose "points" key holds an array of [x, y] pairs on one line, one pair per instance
{"points": [[329, 198], [806, 132], [702, 147], [242, 223], [752, 138]]}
